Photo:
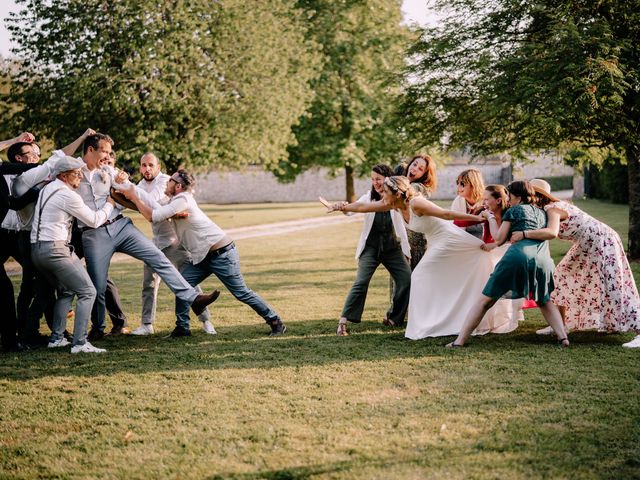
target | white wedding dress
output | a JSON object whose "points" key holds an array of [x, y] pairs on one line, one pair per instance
{"points": [[449, 280]]}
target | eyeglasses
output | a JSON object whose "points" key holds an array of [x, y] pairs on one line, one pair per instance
{"points": [[74, 174], [30, 154], [461, 184]]}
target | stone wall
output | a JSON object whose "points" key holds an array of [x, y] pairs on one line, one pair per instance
{"points": [[254, 185]]}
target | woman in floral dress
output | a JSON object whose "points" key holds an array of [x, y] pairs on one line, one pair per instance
{"points": [[595, 289]]}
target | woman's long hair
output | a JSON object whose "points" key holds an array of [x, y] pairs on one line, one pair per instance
{"points": [[474, 178], [385, 171], [499, 192], [430, 178], [523, 190]]}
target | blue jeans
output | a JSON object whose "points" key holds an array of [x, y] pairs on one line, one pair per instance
{"points": [[101, 243], [227, 268]]}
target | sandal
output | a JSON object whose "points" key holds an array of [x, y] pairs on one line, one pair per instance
{"points": [[386, 321], [342, 329], [564, 342], [453, 345]]}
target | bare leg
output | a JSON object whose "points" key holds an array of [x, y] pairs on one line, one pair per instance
{"points": [[342, 327], [563, 313], [474, 317], [553, 317]]}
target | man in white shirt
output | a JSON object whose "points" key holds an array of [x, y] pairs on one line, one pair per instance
{"points": [[118, 234], [211, 250], [55, 210], [154, 183], [36, 295]]}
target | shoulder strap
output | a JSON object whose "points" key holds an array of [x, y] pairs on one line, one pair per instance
{"points": [[42, 204]]}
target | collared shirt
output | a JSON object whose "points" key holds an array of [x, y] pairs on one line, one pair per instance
{"points": [[36, 177], [197, 233], [11, 220], [164, 234], [95, 188], [62, 205]]}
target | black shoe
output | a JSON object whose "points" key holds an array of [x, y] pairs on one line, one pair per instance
{"points": [[180, 332], [202, 301], [36, 340], [277, 328], [15, 348], [95, 334]]}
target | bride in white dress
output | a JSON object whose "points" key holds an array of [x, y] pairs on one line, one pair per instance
{"points": [[449, 278]]}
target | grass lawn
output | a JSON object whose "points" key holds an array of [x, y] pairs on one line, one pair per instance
{"points": [[312, 405]]}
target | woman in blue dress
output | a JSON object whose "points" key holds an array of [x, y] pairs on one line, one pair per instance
{"points": [[525, 270]]}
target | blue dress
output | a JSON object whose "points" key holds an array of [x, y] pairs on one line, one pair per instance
{"points": [[526, 269]]}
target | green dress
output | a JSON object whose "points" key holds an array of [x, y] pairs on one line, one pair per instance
{"points": [[526, 269]]}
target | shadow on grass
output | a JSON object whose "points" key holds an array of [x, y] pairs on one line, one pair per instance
{"points": [[249, 347]]}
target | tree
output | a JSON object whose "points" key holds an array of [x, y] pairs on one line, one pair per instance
{"points": [[350, 123], [516, 77], [198, 82]]}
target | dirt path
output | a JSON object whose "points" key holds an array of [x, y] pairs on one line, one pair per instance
{"points": [[268, 229]]}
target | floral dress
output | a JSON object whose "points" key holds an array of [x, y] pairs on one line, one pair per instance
{"points": [[593, 280]]}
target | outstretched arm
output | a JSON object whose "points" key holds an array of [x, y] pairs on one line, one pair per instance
{"points": [[23, 137], [73, 146], [363, 207], [422, 206], [548, 233]]}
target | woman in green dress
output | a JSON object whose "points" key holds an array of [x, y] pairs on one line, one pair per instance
{"points": [[525, 271]]}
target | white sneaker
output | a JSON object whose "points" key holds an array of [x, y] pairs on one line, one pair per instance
{"points": [[545, 331], [209, 328], [144, 329], [87, 348], [63, 342], [635, 343]]}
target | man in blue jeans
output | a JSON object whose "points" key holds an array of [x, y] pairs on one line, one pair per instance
{"points": [[211, 250], [118, 234]]}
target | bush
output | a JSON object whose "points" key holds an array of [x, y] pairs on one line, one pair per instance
{"points": [[609, 182], [560, 183]]}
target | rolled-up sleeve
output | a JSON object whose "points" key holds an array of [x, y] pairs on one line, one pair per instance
{"points": [[167, 211]]}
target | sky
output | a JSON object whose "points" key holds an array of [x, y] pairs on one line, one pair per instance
{"points": [[415, 11]]}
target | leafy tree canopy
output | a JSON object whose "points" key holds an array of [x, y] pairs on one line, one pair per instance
{"points": [[350, 122], [197, 82], [517, 76]]}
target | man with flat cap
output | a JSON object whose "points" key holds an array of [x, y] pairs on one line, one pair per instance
{"points": [[57, 206]]}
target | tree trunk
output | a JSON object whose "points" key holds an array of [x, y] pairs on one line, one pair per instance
{"points": [[633, 165], [351, 193]]}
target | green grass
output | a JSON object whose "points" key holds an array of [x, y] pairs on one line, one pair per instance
{"points": [[312, 405]]}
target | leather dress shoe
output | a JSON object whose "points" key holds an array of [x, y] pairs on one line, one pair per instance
{"points": [[15, 348], [95, 334], [202, 301], [180, 332], [119, 330]]}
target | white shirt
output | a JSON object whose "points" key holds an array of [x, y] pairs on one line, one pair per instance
{"points": [[62, 204], [38, 176], [95, 188], [164, 234], [11, 220], [197, 233], [398, 227]]}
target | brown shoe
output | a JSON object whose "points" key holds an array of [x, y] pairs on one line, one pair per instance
{"points": [[117, 331], [201, 301], [95, 334]]}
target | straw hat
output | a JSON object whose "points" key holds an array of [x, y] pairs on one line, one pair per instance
{"points": [[543, 189]]}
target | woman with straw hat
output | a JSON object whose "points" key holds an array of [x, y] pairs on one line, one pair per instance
{"points": [[595, 289]]}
